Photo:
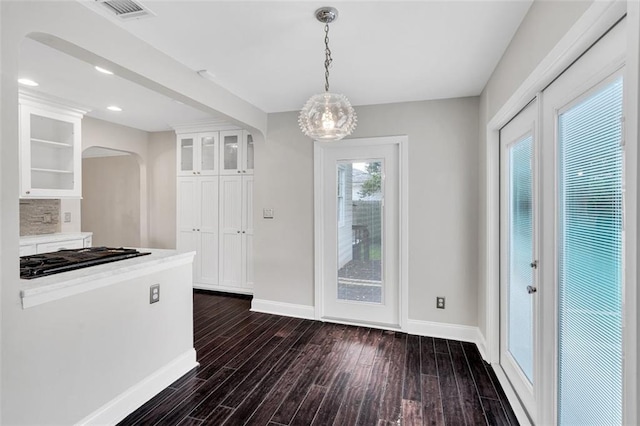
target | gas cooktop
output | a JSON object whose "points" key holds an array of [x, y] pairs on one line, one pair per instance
{"points": [[40, 265]]}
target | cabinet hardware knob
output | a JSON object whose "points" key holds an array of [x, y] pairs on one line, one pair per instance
{"points": [[27, 192], [238, 232], [531, 289], [238, 171], [194, 173], [198, 172], [243, 232], [198, 229], [193, 229]]}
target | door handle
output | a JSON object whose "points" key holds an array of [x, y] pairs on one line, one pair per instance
{"points": [[534, 264], [531, 289]]}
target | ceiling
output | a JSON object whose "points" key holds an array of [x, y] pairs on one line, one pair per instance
{"points": [[271, 54]]}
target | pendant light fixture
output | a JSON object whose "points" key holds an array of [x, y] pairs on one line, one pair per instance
{"points": [[327, 116]]}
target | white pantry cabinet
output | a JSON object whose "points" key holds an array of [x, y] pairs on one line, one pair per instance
{"points": [[236, 231], [50, 148], [198, 225], [215, 207]]}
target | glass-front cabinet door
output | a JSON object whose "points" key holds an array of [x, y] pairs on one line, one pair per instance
{"points": [[207, 153], [230, 152], [198, 154], [247, 153], [50, 150]]}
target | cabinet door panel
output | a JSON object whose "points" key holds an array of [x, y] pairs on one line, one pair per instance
{"points": [[208, 254], [230, 260], [247, 261], [188, 241], [186, 155], [208, 162], [230, 152], [187, 204]]}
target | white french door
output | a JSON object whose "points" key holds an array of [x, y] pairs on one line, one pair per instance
{"points": [[519, 246], [358, 184], [563, 243]]}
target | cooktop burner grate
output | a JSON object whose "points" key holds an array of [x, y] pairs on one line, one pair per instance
{"points": [[40, 265]]}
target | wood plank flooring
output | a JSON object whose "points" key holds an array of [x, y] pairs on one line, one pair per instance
{"points": [[259, 369]]}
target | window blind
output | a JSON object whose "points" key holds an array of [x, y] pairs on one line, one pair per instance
{"points": [[590, 260]]}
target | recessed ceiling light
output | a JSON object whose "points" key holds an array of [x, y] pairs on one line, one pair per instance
{"points": [[114, 108], [103, 70], [27, 82]]}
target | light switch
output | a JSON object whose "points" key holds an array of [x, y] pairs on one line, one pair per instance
{"points": [[267, 213]]}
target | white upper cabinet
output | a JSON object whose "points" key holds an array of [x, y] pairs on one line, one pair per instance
{"points": [[197, 154], [236, 152], [50, 149]]}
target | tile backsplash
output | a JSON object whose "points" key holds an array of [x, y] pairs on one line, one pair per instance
{"points": [[39, 217]]}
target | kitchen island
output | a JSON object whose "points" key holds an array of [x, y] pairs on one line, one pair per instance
{"points": [[94, 345]]}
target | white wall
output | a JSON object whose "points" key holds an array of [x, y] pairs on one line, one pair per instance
{"points": [[111, 200], [162, 189], [443, 201], [544, 25], [82, 351]]}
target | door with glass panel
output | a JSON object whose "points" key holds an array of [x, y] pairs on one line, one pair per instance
{"points": [[519, 242], [360, 232]]}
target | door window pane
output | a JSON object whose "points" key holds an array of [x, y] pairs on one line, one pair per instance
{"points": [[590, 260], [186, 154], [359, 201], [520, 304], [249, 152], [208, 149], [230, 152]]}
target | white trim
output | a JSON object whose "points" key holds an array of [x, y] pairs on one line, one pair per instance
{"points": [[129, 400], [481, 343], [283, 308], [403, 221], [631, 300], [513, 399], [443, 330], [203, 126], [222, 288]]}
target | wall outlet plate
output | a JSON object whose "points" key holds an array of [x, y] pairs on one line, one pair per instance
{"points": [[440, 302], [267, 213], [154, 293], [67, 217]]}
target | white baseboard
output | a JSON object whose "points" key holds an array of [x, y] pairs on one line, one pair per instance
{"points": [[481, 343], [223, 289], [465, 333], [282, 308], [128, 401]]}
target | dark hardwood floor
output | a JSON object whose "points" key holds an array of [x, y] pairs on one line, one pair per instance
{"points": [[259, 369]]}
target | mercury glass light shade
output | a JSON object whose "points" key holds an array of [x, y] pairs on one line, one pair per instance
{"points": [[327, 116]]}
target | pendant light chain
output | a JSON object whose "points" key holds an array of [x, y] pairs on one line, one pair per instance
{"points": [[328, 59]]}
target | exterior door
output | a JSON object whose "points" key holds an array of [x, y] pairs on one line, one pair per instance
{"points": [[519, 241], [360, 231], [584, 238]]}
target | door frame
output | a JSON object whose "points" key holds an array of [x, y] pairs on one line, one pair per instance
{"points": [[403, 219], [598, 18]]}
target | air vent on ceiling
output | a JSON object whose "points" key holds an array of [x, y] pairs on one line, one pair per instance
{"points": [[126, 9]]}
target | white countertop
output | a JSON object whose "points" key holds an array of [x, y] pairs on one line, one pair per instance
{"points": [[49, 238], [45, 289]]}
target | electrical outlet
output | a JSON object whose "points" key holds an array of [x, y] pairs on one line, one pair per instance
{"points": [[154, 293], [440, 302], [267, 213], [67, 217]]}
